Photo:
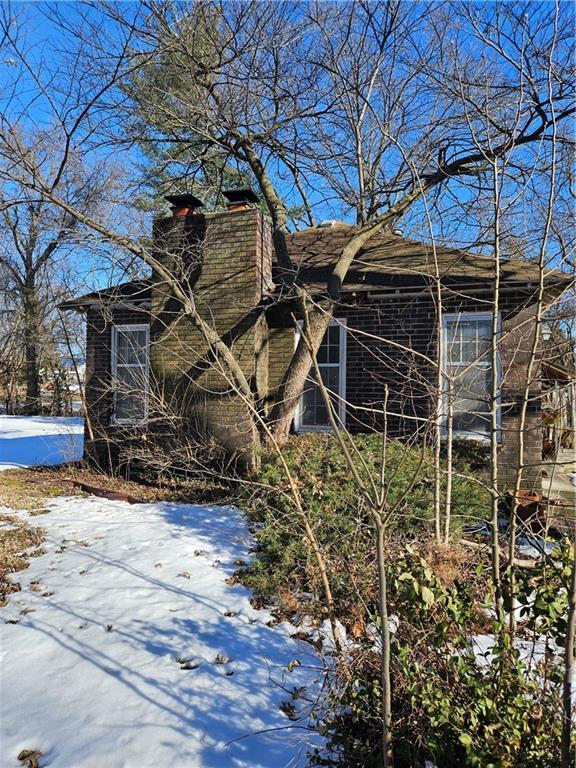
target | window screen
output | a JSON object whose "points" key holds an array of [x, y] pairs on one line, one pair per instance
{"points": [[130, 372], [469, 368]]}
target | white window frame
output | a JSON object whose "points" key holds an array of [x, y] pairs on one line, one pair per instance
{"points": [[341, 365], [463, 316], [114, 347]]}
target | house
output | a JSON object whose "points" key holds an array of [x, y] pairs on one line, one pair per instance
{"points": [[385, 331]]}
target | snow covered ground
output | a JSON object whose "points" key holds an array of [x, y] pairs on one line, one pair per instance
{"points": [[29, 440], [126, 648]]}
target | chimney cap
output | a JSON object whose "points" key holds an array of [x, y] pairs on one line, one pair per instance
{"points": [[239, 196], [184, 201]]}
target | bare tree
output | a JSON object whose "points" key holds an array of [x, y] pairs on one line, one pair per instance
{"points": [[273, 89], [38, 240]]}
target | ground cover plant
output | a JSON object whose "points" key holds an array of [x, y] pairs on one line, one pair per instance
{"points": [[339, 515], [459, 697]]}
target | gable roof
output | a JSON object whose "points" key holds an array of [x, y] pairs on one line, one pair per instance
{"points": [[131, 292]]}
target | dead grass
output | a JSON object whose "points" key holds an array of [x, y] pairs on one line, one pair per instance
{"points": [[47, 482], [18, 542], [29, 489]]}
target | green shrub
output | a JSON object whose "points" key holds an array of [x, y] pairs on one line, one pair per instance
{"points": [[451, 705], [339, 515]]}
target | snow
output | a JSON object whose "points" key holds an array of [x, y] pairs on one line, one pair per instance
{"points": [[531, 652], [535, 546], [120, 625], [32, 440]]}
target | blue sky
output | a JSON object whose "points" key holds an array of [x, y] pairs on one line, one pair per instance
{"points": [[46, 44]]}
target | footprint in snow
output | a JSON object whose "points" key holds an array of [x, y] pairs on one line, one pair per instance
{"points": [[223, 663], [188, 662]]}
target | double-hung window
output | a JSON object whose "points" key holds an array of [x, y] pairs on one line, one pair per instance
{"points": [[312, 414], [130, 348], [468, 372]]}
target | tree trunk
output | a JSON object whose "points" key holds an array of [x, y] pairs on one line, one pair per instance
{"points": [[386, 694], [33, 404], [568, 670], [282, 413], [569, 642]]}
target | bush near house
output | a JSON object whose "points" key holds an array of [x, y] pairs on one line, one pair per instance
{"points": [[339, 514], [451, 705]]}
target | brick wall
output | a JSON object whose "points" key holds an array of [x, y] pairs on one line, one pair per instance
{"points": [[411, 323], [388, 341], [225, 260], [102, 440]]}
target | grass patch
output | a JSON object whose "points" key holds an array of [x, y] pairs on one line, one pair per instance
{"points": [[17, 543], [26, 489], [340, 518]]}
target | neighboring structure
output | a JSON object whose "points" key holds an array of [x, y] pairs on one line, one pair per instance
{"points": [[385, 332]]}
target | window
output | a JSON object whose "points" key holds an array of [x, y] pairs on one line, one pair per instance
{"points": [[312, 414], [468, 365], [130, 373]]}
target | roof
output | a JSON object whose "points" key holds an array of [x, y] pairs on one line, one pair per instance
{"points": [[130, 292], [387, 259]]}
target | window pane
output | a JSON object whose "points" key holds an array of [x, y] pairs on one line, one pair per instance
{"points": [[333, 335], [467, 340], [130, 400], [469, 367], [131, 347], [484, 339], [314, 412], [131, 380], [469, 335], [129, 407], [329, 350], [322, 355], [452, 342], [334, 353]]}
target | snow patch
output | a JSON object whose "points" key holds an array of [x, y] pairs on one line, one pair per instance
{"points": [[27, 441], [119, 661]]}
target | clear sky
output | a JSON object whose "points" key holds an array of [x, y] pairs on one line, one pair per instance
{"points": [[43, 86]]}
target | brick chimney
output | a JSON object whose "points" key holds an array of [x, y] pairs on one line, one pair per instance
{"points": [[224, 260]]}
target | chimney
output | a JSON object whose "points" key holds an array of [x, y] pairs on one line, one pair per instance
{"points": [[240, 199], [225, 261], [184, 205]]}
